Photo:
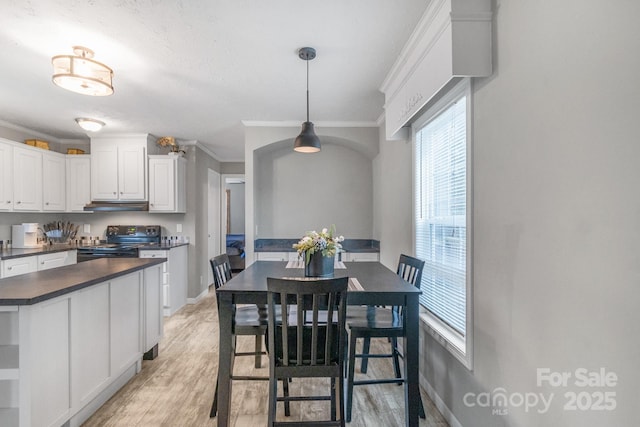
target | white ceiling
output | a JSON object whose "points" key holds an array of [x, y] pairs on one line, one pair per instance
{"points": [[195, 69]]}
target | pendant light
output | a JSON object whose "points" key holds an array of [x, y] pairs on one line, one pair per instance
{"points": [[307, 141], [82, 74]]}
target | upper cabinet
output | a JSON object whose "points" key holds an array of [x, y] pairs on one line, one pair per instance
{"points": [[78, 182], [451, 41], [27, 179], [119, 167], [54, 182], [167, 184], [6, 176], [31, 179]]}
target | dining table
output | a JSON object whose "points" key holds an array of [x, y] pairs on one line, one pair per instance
{"points": [[370, 283]]}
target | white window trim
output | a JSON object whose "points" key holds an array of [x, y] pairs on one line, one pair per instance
{"points": [[461, 347]]}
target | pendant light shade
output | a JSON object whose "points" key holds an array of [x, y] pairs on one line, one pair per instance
{"points": [[81, 74], [307, 141]]}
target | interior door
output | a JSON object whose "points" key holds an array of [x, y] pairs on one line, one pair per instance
{"points": [[214, 226]]}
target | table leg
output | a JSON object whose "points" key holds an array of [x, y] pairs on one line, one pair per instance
{"points": [[411, 358], [225, 357]]}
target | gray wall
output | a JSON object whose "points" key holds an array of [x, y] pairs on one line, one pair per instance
{"points": [[556, 264], [340, 177], [298, 192]]}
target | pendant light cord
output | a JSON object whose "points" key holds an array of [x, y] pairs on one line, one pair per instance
{"points": [[307, 89]]}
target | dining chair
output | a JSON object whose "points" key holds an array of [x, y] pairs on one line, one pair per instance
{"points": [[308, 341], [368, 322], [248, 320]]}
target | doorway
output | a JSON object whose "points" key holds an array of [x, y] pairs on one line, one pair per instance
{"points": [[233, 208]]}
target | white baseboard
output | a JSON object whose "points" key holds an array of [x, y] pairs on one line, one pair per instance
{"points": [[198, 298], [442, 407]]}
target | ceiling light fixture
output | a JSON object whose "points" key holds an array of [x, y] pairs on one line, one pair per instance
{"points": [[307, 141], [90, 125], [81, 74]]}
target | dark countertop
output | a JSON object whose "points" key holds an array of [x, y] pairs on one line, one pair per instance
{"points": [[46, 249], [286, 245], [162, 247], [32, 288]]}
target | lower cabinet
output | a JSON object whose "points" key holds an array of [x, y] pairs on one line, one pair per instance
{"points": [[174, 276], [28, 264], [153, 318], [61, 358], [16, 266], [360, 256], [276, 256]]}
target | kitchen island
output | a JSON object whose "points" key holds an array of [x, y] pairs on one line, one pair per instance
{"points": [[70, 337]]}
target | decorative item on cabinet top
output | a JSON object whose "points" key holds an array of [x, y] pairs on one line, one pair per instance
{"points": [[170, 141], [37, 143]]}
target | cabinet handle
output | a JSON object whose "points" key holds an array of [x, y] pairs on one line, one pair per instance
{"points": [[47, 203], [18, 202], [114, 193], [42, 263], [8, 201], [9, 268]]}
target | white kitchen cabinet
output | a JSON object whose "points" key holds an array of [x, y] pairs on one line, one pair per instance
{"points": [[56, 259], [119, 167], [174, 287], [153, 319], [78, 182], [276, 256], [47, 327], [6, 176], [90, 357], [167, 184], [54, 182], [16, 266], [126, 321], [27, 179], [360, 256], [60, 356], [28, 264], [9, 366]]}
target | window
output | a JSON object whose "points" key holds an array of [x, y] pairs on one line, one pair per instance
{"points": [[441, 174]]}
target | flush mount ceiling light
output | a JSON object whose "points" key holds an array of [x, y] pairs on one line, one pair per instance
{"points": [[307, 141], [81, 74], [90, 125]]}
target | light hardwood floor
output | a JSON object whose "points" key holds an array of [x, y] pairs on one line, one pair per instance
{"points": [[176, 389]]}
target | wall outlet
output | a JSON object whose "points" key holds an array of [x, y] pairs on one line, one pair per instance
{"points": [[178, 228], [86, 228]]}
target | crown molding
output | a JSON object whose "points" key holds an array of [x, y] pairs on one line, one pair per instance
{"points": [[317, 124]]}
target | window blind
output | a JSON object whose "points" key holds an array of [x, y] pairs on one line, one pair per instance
{"points": [[441, 213]]}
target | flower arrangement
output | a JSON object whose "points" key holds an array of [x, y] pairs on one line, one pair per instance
{"points": [[313, 242]]}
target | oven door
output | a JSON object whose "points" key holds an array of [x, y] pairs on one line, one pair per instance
{"points": [[87, 254]]}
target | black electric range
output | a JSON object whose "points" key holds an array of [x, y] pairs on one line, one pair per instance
{"points": [[123, 241]]}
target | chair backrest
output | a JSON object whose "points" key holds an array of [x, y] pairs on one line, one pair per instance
{"points": [[221, 268], [311, 330], [410, 269]]}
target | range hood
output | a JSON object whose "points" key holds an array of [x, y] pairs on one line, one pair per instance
{"points": [[117, 206]]}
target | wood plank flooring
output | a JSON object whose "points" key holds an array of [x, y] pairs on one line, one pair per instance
{"points": [[176, 389]]}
